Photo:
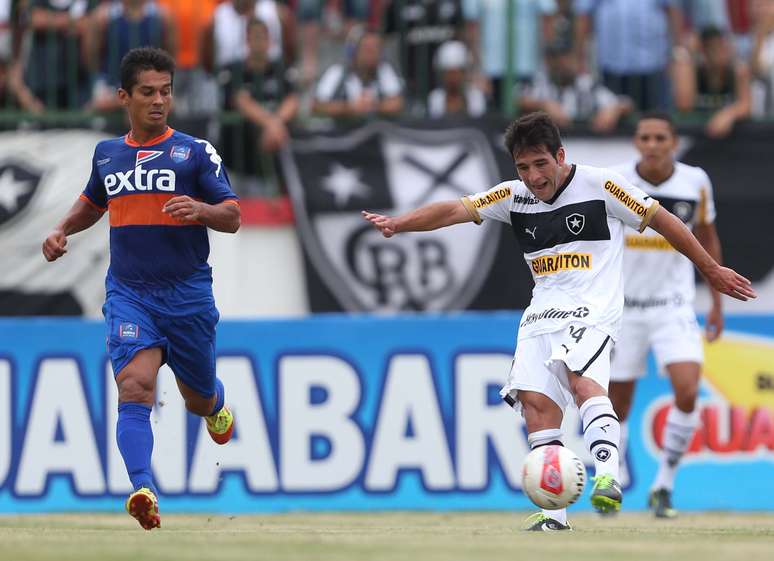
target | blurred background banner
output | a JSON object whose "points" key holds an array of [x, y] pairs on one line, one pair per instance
{"points": [[355, 413], [350, 267], [343, 264], [41, 175]]}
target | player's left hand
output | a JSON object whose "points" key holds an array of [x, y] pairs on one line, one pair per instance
{"points": [[714, 327], [729, 282], [184, 209]]}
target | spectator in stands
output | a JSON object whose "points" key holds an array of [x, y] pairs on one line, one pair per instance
{"points": [[225, 38], [55, 68], [14, 94], [715, 85], [633, 43], [488, 30], [763, 54], [457, 94], [367, 86], [313, 16], [196, 95], [262, 92], [568, 97], [421, 26], [281, 23], [309, 14], [116, 28]]}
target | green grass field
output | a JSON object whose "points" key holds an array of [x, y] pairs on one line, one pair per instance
{"points": [[399, 536]]}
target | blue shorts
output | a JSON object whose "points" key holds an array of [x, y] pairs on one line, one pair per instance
{"points": [[135, 320]]}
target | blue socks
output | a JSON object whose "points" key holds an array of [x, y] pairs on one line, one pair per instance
{"points": [[135, 441], [220, 397]]}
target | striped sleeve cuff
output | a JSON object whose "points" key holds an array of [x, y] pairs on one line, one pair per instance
{"points": [[649, 214]]}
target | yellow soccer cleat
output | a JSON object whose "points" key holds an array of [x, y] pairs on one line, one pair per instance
{"points": [[143, 506], [221, 425]]}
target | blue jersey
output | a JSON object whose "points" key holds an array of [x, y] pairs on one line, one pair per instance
{"points": [[133, 182]]}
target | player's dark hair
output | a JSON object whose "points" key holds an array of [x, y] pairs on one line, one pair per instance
{"points": [[532, 132], [659, 116], [141, 59]]}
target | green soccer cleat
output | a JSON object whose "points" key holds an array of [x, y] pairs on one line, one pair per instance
{"points": [[220, 425], [539, 522], [606, 497], [660, 502]]}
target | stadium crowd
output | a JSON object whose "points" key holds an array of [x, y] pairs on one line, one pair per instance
{"points": [[268, 63]]}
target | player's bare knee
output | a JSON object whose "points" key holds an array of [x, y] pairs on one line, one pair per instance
{"points": [[539, 411], [584, 389], [135, 389]]}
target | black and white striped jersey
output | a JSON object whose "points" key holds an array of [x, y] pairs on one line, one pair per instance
{"points": [[670, 281], [573, 244]]}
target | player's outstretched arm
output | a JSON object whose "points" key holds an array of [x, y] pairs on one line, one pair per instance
{"points": [[81, 216], [721, 278], [423, 219], [222, 217]]}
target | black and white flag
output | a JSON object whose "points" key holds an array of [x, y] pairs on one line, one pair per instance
{"points": [[41, 175], [391, 169]]}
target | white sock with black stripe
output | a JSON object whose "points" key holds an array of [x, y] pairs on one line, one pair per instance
{"points": [[678, 433], [545, 438], [602, 434]]}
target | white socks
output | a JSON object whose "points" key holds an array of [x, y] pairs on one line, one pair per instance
{"points": [[602, 433], [544, 438], [678, 433]]}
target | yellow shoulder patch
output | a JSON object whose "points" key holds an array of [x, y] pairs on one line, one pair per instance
{"points": [[625, 198], [491, 197]]}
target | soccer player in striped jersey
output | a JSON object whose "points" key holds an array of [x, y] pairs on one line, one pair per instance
{"points": [[658, 307], [569, 220], [162, 189]]}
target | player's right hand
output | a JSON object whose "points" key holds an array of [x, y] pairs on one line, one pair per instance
{"points": [[385, 224], [54, 246]]}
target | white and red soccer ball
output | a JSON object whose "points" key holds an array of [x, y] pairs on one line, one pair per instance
{"points": [[553, 477]]}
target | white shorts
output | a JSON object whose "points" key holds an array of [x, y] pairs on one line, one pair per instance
{"points": [[541, 363], [674, 336]]}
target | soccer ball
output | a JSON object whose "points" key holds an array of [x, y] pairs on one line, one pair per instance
{"points": [[553, 477]]}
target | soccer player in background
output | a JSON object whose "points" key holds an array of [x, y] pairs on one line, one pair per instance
{"points": [[658, 306], [569, 220], [162, 190]]}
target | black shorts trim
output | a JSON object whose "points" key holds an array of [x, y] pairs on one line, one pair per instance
{"points": [[595, 357]]}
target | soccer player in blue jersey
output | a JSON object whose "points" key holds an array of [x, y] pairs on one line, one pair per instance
{"points": [[162, 189]]}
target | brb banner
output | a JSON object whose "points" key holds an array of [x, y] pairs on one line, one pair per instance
{"points": [[353, 413]]}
